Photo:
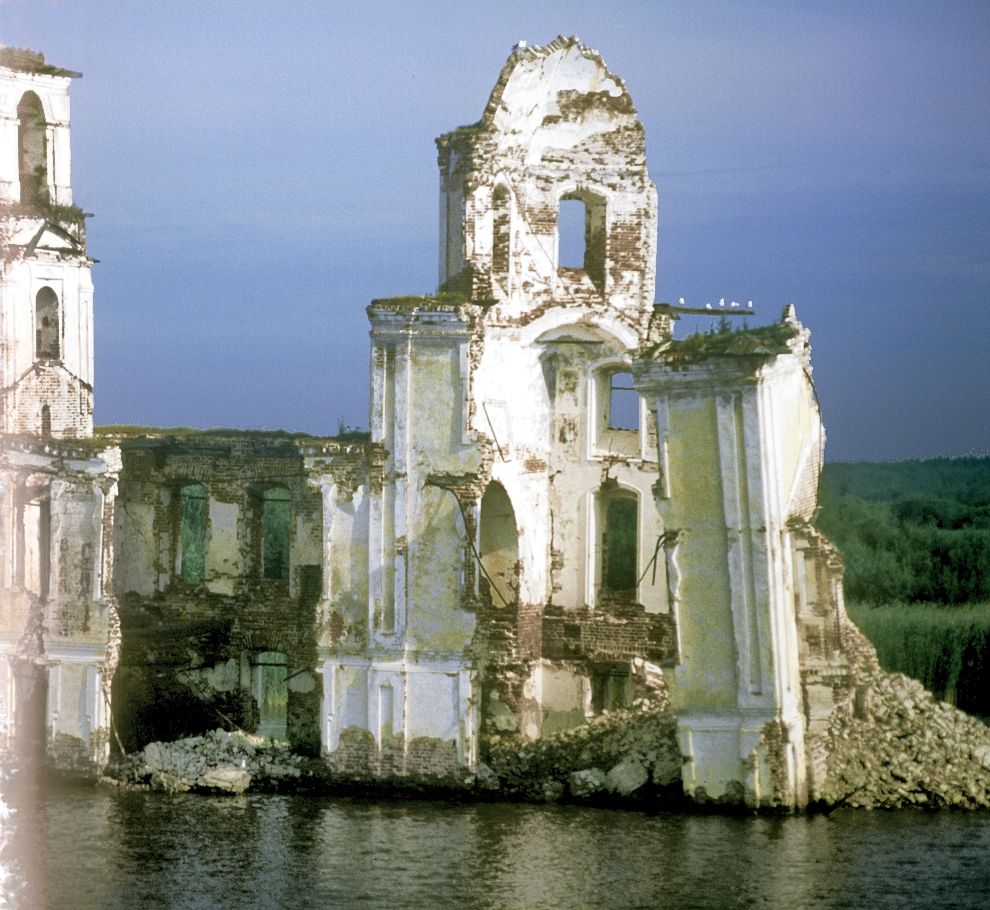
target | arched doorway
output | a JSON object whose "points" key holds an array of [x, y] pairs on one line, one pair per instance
{"points": [[498, 544]]}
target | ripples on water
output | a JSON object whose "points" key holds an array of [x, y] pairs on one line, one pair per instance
{"points": [[96, 848]]}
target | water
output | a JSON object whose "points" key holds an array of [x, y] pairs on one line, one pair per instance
{"points": [[86, 847]]}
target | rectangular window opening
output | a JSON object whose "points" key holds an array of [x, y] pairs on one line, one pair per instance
{"points": [[623, 403], [192, 534], [276, 523]]}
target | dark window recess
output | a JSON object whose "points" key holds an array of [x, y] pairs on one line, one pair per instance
{"points": [[310, 585], [44, 548], [611, 689], [46, 421], [192, 533], [623, 403], [276, 522], [619, 545], [47, 334]]}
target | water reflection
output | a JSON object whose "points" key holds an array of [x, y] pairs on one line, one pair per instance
{"points": [[98, 848]]}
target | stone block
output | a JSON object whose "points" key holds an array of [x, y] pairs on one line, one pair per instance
{"points": [[228, 778], [627, 777]]}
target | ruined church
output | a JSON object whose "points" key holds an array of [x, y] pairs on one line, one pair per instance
{"points": [[558, 495]]}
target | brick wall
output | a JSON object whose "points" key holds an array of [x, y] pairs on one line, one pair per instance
{"points": [[619, 635]]}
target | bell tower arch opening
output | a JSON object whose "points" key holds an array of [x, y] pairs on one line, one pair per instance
{"points": [[581, 235], [560, 131], [47, 326], [32, 154]]}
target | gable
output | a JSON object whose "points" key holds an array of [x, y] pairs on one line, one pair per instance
{"points": [[45, 235]]}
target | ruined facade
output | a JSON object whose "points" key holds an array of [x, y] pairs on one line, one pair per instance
{"points": [[553, 488]]}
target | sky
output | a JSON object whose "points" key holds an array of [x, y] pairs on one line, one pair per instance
{"points": [[260, 171]]}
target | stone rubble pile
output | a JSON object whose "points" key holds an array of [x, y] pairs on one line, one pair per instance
{"points": [[623, 753], [218, 761], [889, 744], [895, 745]]}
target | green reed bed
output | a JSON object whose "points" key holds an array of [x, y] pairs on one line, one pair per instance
{"points": [[947, 649]]}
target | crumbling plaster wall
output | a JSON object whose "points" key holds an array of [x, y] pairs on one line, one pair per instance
{"points": [[509, 366], [753, 587], [557, 124], [59, 620], [409, 698], [200, 637]]}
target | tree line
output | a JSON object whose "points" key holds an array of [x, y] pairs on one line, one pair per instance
{"points": [[910, 531]]}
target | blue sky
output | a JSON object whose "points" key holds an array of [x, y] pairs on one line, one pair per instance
{"points": [[260, 171]]}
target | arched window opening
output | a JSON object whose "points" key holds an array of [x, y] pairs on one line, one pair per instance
{"points": [[581, 235], [276, 523], [46, 421], [623, 403], [193, 504], [32, 160], [501, 235], [271, 692], [47, 333], [619, 544], [498, 544]]}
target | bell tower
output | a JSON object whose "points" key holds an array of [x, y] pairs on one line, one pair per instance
{"points": [[558, 153], [46, 287]]}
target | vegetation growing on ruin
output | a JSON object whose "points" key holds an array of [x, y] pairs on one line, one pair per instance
{"points": [[479, 126], [443, 298], [28, 61], [726, 340], [61, 214]]}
